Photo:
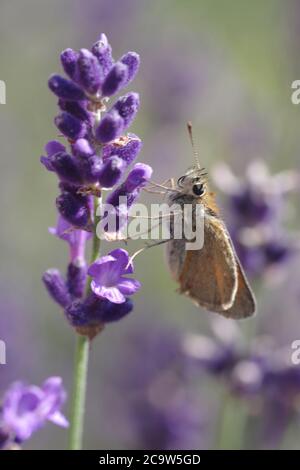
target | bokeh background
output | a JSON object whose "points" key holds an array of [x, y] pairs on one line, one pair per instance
{"points": [[228, 67]]}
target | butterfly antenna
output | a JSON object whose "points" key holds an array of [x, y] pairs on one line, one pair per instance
{"points": [[195, 152]]}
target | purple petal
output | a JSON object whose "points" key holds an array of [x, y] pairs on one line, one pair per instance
{"points": [[128, 286], [94, 268], [108, 274], [123, 258], [110, 293], [59, 419]]}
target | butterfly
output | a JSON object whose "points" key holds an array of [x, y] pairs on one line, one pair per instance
{"points": [[212, 276]]}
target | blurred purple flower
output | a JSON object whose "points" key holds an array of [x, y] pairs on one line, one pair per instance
{"points": [[254, 372], [161, 410], [26, 408], [256, 207]]}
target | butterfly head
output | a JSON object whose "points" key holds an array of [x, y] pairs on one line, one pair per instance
{"points": [[193, 182]]}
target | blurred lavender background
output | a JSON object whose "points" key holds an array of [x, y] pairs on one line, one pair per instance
{"points": [[228, 67]]}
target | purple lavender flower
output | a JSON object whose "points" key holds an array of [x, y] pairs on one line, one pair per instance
{"points": [[108, 277], [26, 408], [94, 159]]}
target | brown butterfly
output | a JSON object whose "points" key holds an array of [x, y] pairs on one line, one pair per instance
{"points": [[211, 276]]}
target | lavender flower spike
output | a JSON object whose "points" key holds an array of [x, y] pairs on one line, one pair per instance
{"points": [[26, 408], [108, 277]]}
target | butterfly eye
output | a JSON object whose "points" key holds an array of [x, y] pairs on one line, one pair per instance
{"points": [[198, 189], [180, 181]]}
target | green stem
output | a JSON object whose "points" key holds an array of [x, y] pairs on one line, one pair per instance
{"points": [[79, 392], [81, 361]]}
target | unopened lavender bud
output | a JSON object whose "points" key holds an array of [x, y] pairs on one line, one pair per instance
{"points": [[82, 148], [57, 287], [69, 59], [111, 126], [90, 73], [132, 60], [111, 172], [66, 167], [65, 89], [121, 192], [76, 314], [138, 176], [70, 126], [76, 277], [127, 151], [74, 208], [111, 312], [77, 109], [53, 146], [100, 310], [102, 50], [91, 168], [115, 79], [127, 106], [46, 162]]}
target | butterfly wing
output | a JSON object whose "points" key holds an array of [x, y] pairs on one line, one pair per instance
{"points": [[209, 276], [212, 276], [244, 304]]}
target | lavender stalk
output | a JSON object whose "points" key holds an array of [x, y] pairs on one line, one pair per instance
{"points": [[97, 154]]}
